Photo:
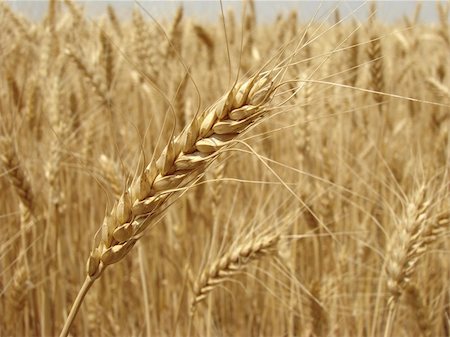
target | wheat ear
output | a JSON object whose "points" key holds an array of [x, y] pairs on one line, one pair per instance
{"points": [[231, 263], [10, 160], [208, 41], [107, 59], [375, 54], [418, 229], [183, 160], [94, 80], [414, 240], [114, 20], [406, 246], [173, 47]]}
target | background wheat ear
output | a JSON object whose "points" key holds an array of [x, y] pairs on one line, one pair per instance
{"points": [[16, 174], [231, 263], [418, 229]]}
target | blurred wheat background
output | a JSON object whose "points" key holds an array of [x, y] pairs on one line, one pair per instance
{"points": [[320, 206]]}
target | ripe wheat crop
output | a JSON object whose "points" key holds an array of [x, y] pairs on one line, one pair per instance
{"points": [[229, 177]]}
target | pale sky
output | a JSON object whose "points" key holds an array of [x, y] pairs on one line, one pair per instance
{"points": [[267, 11]]}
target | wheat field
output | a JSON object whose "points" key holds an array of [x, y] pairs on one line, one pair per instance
{"points": [[237, 177]]}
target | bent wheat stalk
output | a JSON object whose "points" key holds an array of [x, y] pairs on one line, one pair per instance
{"points": [[182, 161]]}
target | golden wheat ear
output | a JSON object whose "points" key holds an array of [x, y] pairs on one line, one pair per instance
{"points": [[420, 226], [182, 161], [231, 263], [19, 179]]}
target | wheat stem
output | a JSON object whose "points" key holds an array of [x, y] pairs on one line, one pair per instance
{"points": [[88, 282]]}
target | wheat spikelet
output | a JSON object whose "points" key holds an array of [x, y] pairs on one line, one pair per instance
{"points": [[437, 227], [231, 263]]}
